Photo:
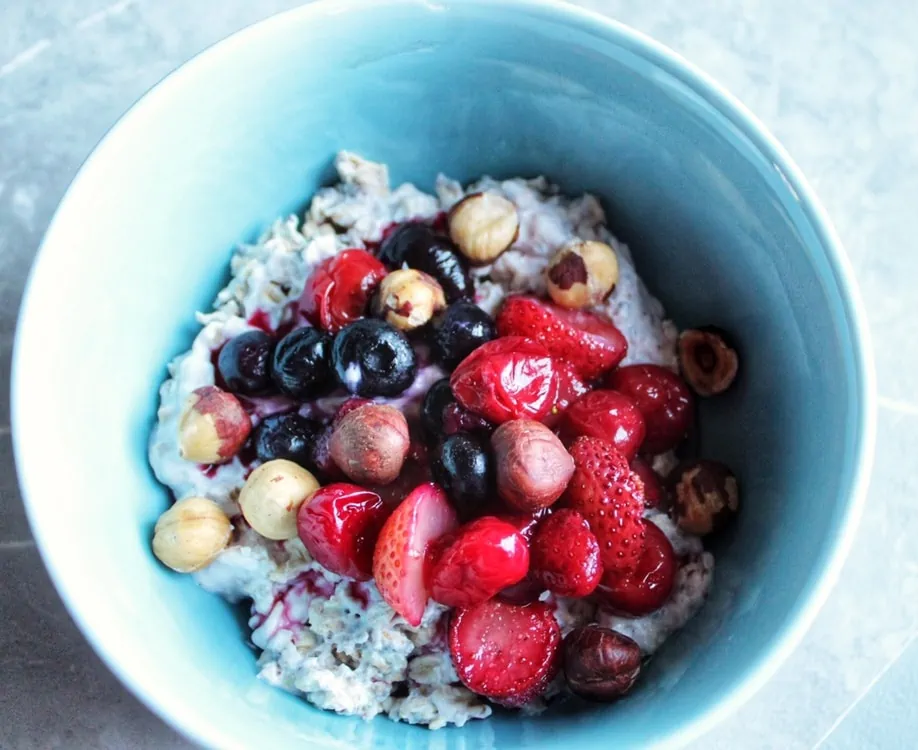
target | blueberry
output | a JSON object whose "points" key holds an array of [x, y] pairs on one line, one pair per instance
{"points": [[458, 331], [393, 249], [371, 358], [288, 436], [464, 467], [244, 363], [424, 250], [302, 363], [437, 399]]}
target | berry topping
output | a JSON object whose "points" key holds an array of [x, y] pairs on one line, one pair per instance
{"points": [[505, 652], [463, 466], [582, 274], [339, 289], [653, 487], [705, 496], [408, 299], [606, 415], [508, 378], [437, 398], [302, 363], [589, 342], [458, 419], [399, 240], [477, 561], [370, 443], [371, 358], [458, 331], [570, 388], [399, 558], [420, 247], [338, 524], [212, 427], [709, 363], [600, 664], [288, 436], [648, 586], [611, 498], [664, 400], [565, 554], [533, 468], [483, 225], [272, 495], [244, 363]]}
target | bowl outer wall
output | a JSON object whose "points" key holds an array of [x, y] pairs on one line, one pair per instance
{"points": [[27, 408]]}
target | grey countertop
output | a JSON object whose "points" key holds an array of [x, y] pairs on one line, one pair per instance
{"points": [[835, 80]]}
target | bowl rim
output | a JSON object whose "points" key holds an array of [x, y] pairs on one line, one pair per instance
{"points": [[825, 571]]}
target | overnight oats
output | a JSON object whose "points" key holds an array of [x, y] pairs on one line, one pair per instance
{"points": [[436, 444]]}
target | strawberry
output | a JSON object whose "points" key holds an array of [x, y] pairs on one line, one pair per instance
{"points": [[479, 560], [611, 498], [570, 388], [398, 562], [339, 288], [588, 341], [505, 652], [649, 585], [565, 554], [607, 415]]}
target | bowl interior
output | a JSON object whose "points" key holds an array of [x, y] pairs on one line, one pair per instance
{"points": [[246, 133]]}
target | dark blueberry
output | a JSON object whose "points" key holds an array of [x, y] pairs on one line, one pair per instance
{"points": [[458, 331], [464, 467], [394, 248], [288, 436], [423, 249], [437, 399], [244, 363], [302, 363], [371, 358]]}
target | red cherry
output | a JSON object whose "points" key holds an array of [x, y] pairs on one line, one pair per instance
{"points": [[607, 415], [570, 388], [663, 398], [339, 289], [648, 586], [653, 487]]}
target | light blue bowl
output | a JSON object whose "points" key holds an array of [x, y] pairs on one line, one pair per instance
{"points": [[724, 229]]}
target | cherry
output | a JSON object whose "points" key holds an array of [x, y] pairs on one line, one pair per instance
{"points": [[607, 415], [649, 585]]}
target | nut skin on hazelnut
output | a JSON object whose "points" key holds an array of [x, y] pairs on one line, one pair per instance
{"points": [[705, 496], [370, 444], [708, 361], [582, 274], [483, 226], [408, 299], [600, 664], [191, 534], [533, 466], [213, 426], [272, 496]]}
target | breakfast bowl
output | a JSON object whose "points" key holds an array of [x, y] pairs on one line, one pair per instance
{"points": [[722, 228]]}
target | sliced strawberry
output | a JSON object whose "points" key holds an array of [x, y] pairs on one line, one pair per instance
{"points": [[653, 486], [398, 562], [607, 415], [480, 559], [339, 288], [503, 651], [611, 498], [507, 378], [588, 341], [570, 388], [565, 554], [648, 586]]}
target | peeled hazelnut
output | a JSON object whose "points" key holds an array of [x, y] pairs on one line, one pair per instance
{"points": [[408, 299], [370, 444], [600, 664], [705, 496], [483, 225], [582, 274], [533, 467], [213, 426], [272, 495], [191, 534], [709, 364]]}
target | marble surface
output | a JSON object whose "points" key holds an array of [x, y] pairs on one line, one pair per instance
{"points": [[836, 81]]}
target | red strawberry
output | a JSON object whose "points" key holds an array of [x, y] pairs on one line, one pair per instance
{"points": [[477, 561], [653, 487], [648, 586], [570, 388], [508, 378], [588, 341], [607, 415], [611, 498], [338, 524], [505, 652], [339, 288], [398, 562], [565, 554]]}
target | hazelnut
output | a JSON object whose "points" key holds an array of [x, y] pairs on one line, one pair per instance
{"points": [[533, 467], [408, 299], [213, 426], [483, 225], [709, 364], [191, 534], [705, 496], [582, 274], [600, 664], [370, 444], [272, 495]]}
